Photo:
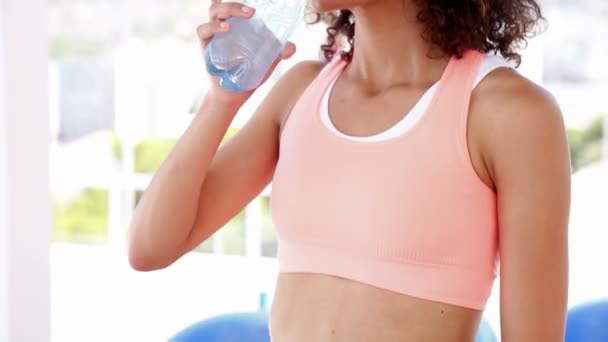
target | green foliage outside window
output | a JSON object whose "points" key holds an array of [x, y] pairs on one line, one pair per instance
{"points": [[64, 46], [269, 239], [150, 154], [586, 144], [84, 218]]}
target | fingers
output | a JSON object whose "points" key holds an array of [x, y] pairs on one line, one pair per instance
{"points": [[206, 31], [218, 13], [225, 10], [287, 52]]}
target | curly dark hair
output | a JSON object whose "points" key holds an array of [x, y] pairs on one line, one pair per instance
{"points": [[500, 26]]}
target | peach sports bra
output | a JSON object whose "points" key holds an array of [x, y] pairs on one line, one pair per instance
{"points": [[406, 214]]}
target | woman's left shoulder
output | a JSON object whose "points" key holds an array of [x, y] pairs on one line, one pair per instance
{"points": [[507, 102], [511, 116], [506, 97]]}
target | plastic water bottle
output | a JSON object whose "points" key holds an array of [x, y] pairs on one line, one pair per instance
{"points": [[242, 57]]}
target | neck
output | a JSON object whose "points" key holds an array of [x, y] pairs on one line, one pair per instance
{"points": [[389, 48]]}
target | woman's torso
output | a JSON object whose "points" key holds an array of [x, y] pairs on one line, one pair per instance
{"points": [[317, 307], [320, 308]]}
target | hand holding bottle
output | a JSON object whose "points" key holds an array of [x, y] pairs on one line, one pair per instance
{"points": [[231, 25]]}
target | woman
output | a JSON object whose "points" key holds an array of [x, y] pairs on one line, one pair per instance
{"points": [[401, 165]]}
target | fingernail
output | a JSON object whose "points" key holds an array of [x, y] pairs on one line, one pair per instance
{"points": [[247, 10], [224, 26]]}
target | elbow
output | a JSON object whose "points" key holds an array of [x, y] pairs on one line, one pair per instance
{"points": [[142, 263], [142, 259], [138, 263]]}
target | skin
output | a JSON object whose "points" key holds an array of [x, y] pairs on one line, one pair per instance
{"points": [[518, 148]]}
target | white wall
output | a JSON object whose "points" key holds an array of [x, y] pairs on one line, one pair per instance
{"points": [[97, 297], [3, 197], [24, 195], [532, 60]]}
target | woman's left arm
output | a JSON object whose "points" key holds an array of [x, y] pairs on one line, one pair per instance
{"points": [[529, 162]]}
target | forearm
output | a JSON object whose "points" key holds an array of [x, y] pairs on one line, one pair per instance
{"points": [[165, 215]]}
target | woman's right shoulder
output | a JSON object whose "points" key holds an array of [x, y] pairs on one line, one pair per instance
{"points": [[305, 70], [292, 84], [299, 77]]}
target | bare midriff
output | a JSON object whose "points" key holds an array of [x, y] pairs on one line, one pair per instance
{"points": [[319, 308]]}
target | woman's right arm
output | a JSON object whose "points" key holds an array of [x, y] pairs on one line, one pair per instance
{"points": [[198, 189], [195, 187]]}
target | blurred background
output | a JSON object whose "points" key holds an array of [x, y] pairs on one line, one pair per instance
{"points": [[124, 79]]}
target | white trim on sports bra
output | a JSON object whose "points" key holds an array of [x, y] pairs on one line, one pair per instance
{"points": [[489, 64]]}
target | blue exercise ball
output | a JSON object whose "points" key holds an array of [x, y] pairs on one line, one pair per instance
{"points": [[238, 327], [588, 322]]}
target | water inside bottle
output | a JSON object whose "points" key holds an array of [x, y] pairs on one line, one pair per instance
{"points": [[242, 57]]}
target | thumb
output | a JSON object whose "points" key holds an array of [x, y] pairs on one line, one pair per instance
{"points": [[288, 51]]}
